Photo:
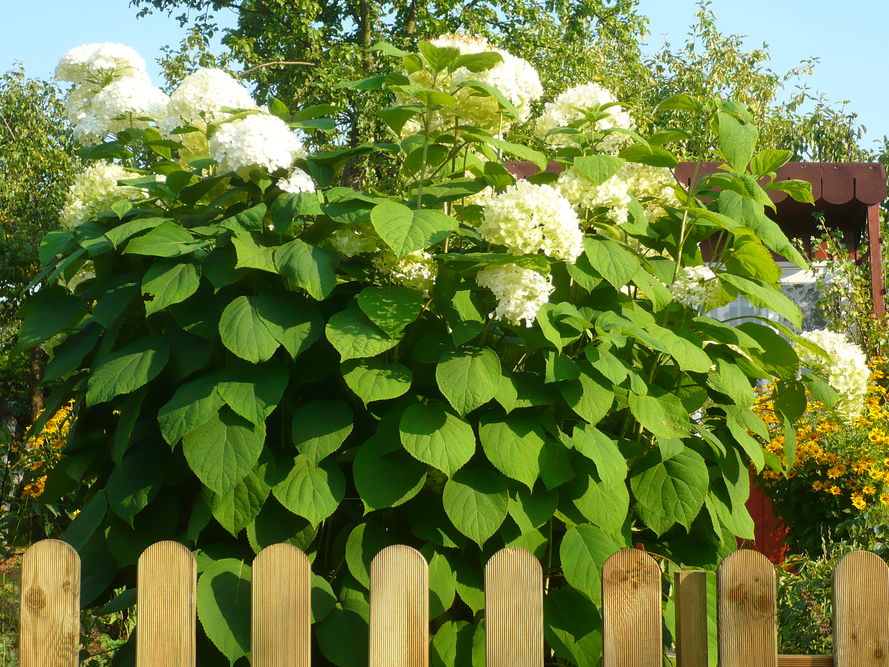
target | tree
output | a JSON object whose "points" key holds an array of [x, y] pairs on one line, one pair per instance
{"points": [[36, 162]]}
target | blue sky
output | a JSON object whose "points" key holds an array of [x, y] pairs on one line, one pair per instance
{"points": [[848, 37]]}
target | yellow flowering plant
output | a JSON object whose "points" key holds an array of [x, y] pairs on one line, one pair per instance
{"points": [[833, 477]]}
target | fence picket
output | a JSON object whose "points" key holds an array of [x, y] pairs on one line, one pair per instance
{"points": [[747, 631], [861, 610], [399, 608], [514, 609], [690, 594], [282, 608], [50, 606], [631, 610], [165, 606]]}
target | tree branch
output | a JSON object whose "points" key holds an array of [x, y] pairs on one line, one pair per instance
{"points": [[275, 63]]}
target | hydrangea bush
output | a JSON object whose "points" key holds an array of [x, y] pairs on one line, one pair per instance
{"points": [[451, 358]]}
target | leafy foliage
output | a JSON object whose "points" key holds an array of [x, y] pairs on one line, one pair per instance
{"points": [[240, 378]]}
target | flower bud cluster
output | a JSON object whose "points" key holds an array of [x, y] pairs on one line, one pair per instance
{"points": [[520, 292], [695, 286], [845, 369]]}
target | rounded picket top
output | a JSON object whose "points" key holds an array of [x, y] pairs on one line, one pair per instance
{"points": [[631, 610], [514, 609], [166, 598], [747, 616], [399, 608], [282, 607], [860, 609], [50, 605]]}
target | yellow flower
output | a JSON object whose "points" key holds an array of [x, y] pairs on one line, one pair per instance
{"points": [[876, 435], [858, 501], [869, 489], [835, 490], [817, 485], [834, 472], [884, 498]]}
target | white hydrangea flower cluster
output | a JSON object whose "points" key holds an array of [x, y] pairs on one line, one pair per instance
{"points": [[416, 270], [526, 218], [514, 77], [846, 370], [111, 92], [566, 109], [201, 98], [94, 190], [695, 286], [296, 182], [614, 194], [520, 292], [652, 186], [350, 241], [99, 63], [259, 140]]}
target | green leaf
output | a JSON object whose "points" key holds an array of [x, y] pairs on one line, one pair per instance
{"points": [[612, 260], [127, 369], [85, 524], [799, 190], [166, 240], [588, 396], [385, 476], [223, 450], [168, 282], [583, 553], [47, 317], [679, 102], [468, 377], [730, 380], [598, 168], [376, 380], [193, 404], [601, 450], [406, 230], [310, 491], [244, 331], [670, 491], [320, 427], [437, 57], [476, 502], [135, 482], [69, 355], [775, 354], [486, 90], [663, 416], [223, 601], [364, 542], [573, 627], [769, 160], [737, 139], [602, 505], [532, 509], [236, 510], [442, 585], [766, 296], [253, 391], [518, 150], [355, 337], [432, 434], [308, 267], [651, 155], [251, 255], [514, 445], [292, 320], [391, 308], [249, 219], [129, 229]]}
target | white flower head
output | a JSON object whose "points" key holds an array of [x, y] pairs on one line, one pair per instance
{"points": [[654, 187], [695, 286], [122, 104], [567, 108], [416, 270], [297, 181], [94, 190], [202, 97], [103, 62], [514, 77], [519, 292], [256, 141], [350, 241], [527, 218], [845, 368], [613, 194]]}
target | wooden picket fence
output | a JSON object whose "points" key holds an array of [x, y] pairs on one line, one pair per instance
{"points": [[399, 611]]}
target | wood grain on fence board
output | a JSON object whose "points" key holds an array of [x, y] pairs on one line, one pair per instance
{"points": [[282, 608], [514, 609], [746, 620], [690, 595], [399, 608], [165, 606], [631, 610], [50, 606], [861, 611]]}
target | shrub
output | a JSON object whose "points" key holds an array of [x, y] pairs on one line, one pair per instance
{"points": [[450, 359]]}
